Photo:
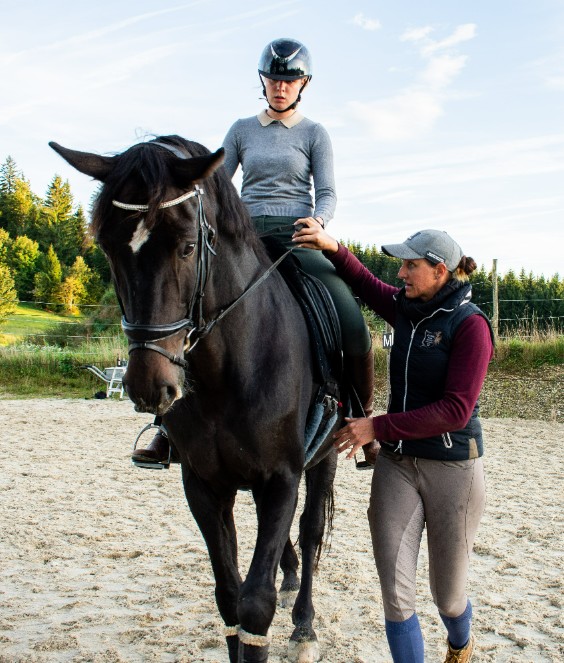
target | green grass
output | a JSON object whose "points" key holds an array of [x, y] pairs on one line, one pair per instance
{"points": [[516, 354], [31, 371], [523, 379], [28, 320]]}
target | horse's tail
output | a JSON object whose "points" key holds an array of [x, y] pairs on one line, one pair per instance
{"points": [[327, 515], [329, 512]]}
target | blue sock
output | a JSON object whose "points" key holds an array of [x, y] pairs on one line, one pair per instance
{"points": [[459, 627], [405, 640]]}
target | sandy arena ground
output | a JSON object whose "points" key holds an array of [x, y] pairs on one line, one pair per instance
{"points": [[103, 562]]}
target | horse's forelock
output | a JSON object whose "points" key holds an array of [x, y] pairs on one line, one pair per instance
{"points": [[147, 169]]}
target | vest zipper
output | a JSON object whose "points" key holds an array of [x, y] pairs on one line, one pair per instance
{"points": [[446, 436]]}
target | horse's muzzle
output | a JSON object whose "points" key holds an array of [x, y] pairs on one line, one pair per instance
{"points": [[152, 382]]}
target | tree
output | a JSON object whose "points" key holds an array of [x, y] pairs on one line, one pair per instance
{"points": [[78, 287], [47, 282], [8, 294], [9, 173], [56, 219], [23, 260], [97, 261], [59, 200], [19, 206], [5, 244]]}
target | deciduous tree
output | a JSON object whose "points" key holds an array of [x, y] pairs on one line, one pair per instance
{"points": [[8, 294]]}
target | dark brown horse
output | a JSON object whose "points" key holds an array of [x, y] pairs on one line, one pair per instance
{"points": [[230, 374]]}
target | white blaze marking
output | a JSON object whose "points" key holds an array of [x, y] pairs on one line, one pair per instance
{"points": [[140, 236]]}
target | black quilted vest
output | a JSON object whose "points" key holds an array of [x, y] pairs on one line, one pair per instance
{"points": [[420, 353]]}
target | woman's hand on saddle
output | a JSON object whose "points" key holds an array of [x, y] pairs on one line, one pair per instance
{"points": [[354, 435], [310, 234]]}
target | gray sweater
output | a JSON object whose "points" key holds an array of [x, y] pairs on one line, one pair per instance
{"points": [[279, 160]]}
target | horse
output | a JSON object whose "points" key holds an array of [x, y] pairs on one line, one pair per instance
{"points": [[219, 348]]}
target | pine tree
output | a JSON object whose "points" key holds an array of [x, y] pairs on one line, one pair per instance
{"points": [[9, 173], [48, 280], [56, 219], [19, 207]]}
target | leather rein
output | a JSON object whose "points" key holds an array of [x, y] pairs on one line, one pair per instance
{"points": [[146, 336]]}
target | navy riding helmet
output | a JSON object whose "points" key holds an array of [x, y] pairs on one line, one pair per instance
{"points": [[285, 60]]}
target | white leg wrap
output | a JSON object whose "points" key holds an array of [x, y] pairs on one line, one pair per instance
{"points": [[231, 630], [254, 640]]}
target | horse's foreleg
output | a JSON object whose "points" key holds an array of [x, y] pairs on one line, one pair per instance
{"points": [[318, 509], [276, 503], [215, 520]]}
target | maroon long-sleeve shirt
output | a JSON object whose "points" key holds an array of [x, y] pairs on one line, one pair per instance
{"points": [[471, 352]]}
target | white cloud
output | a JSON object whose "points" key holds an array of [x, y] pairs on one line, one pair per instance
{"points": [[461, 34], [416, 34], [366, 23], [441, 71], [414, 110], [549, 70], [409, 114], [530, 157]]}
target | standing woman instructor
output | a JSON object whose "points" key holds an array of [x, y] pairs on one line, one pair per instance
{"points": [[282, 153], [429, 472]]}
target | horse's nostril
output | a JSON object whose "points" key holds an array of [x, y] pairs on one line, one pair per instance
{"points": [[170, 393]]}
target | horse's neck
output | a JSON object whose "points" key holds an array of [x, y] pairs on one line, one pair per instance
{"points": [[231, 274], [251, 322]]}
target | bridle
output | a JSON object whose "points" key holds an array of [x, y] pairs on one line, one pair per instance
{"points": [[145, 336]]}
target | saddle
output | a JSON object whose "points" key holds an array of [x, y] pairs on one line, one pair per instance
{"points": [[325, 336]]}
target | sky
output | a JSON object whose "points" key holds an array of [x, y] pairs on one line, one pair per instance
{"points": [[442, 114]]}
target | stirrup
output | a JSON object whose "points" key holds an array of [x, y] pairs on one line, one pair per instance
{"points": [[146, 464]]}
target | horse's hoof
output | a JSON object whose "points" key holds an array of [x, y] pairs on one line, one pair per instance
{"points": [[304, 652], [286, 599], [252, 654]]}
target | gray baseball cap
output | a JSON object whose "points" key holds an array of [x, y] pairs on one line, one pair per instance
{"points": [[434, 245]]}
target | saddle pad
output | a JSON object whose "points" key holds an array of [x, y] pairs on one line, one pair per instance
{"points": [[319, 312]]}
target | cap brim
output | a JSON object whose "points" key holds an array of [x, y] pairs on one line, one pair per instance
{"points": [[400, 251]]}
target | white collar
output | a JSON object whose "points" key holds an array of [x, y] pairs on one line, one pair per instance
{"points": [[289, 122]]}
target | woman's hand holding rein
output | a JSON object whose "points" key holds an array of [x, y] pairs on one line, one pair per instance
{"points": [[312, 235]]}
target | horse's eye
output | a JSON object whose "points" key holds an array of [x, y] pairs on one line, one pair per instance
{"points": [[188, 249]]}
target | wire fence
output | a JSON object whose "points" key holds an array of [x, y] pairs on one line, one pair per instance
{"points": [[110, 330]]}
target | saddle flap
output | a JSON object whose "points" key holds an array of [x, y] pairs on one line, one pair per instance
{"points": [[319, 313]]}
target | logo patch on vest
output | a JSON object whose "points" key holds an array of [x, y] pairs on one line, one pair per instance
{"points": [[430, 339]]}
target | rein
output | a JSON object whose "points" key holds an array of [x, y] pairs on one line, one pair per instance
{"points": [[145, 336]]}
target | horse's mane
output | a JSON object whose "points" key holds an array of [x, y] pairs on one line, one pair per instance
{"points": [[149, 168]]}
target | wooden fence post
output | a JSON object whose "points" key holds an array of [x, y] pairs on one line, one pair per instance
{"points": [[495, 315]]}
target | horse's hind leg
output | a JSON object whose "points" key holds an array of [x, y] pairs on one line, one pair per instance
{"points": [[290, 582], [316, 517]]}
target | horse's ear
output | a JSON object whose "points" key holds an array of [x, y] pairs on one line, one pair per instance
{"points": [[198, 168], [98, 167]]}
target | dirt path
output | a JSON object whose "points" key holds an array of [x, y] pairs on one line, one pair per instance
{"points": [[102, 562]]}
